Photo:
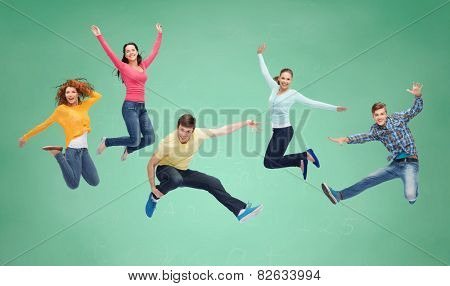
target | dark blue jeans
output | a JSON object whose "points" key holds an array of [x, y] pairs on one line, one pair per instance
{"points": [[171, 178], [278, 145], [76, 163], [137, 121]]}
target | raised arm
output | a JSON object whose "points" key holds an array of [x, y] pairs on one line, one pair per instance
{"points": [[93, 98], [227, 129], [270, 82], [409, 114], [317, 104], [41, 127], [116, 61], [156, 46]]}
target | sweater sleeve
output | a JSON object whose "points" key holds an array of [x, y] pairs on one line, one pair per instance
{"points": [[313, 103], [41, 127], [93, 98], [155, 50], [117, 63], [270, 82]]}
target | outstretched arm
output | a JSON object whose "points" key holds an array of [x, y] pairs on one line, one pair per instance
{"points": [[156, 46], [356, 139], [96, 31], [409, 114], [227, 129], [317, 104], [270, 82], [41, 127]]}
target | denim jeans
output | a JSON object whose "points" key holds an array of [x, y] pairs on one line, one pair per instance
{"points": [[407, 171], [278, 145], [137, 122], [171, 178], [76, 163]]}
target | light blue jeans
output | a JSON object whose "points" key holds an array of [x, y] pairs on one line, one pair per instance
{"points": [[407, 171], [76, 163]]}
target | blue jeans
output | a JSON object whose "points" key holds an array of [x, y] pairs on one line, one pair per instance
{"points": [[137, 121], [171, 178], [407, 171], [278, 145], [76, 163]]}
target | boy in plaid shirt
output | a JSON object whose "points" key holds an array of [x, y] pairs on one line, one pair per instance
{"points": [[394, 133]]}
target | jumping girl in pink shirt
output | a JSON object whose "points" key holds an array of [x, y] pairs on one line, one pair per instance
{"points": [[132, 70]]}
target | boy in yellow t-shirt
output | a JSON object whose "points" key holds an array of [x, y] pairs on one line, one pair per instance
{"points": [[173, 156]]}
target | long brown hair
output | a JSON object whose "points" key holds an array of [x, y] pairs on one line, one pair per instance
{"points": [[125, 60], [282, 71], [83, 87]]}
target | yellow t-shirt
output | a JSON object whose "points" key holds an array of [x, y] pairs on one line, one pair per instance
{"points": [[173, 153]]}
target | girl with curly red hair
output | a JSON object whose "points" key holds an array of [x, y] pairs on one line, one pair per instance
{"points": [[74, 99]]}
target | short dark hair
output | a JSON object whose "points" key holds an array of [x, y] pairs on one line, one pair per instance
{"points": [[378, 105], [186, 120]]}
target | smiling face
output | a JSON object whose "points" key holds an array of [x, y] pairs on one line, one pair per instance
{"points": [[284, 79], [71, 96], [380, 116], [131, 53], [184, 133]]}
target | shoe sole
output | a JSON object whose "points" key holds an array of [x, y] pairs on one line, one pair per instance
{"points": [[50, 148], [305, 169], [328, 193], [252, 214]]}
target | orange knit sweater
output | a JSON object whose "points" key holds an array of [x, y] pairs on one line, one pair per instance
{"points": [[73, 119]]}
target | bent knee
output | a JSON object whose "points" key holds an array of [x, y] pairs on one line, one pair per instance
{"points": [[73, 185], [267, 164], [134, 142], [94, 182]]}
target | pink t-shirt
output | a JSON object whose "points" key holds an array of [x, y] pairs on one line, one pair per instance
{"points": [[134, 80]]}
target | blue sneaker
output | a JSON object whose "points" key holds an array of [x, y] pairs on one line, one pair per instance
{"points": [[411, 202], [150, 206], [249, 212], [316, 160], [331, 194]]}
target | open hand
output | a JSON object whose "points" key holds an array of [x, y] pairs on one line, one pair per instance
{"points": [[261, 48], [21, 142], [159, 27], [416, 90], [341, 140], [96, 30], [253, 125]]}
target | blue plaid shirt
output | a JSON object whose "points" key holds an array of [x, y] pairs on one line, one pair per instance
{"points": [[395, 134]]}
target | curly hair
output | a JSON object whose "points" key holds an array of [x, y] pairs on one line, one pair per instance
{"points": [[83, 87]]}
